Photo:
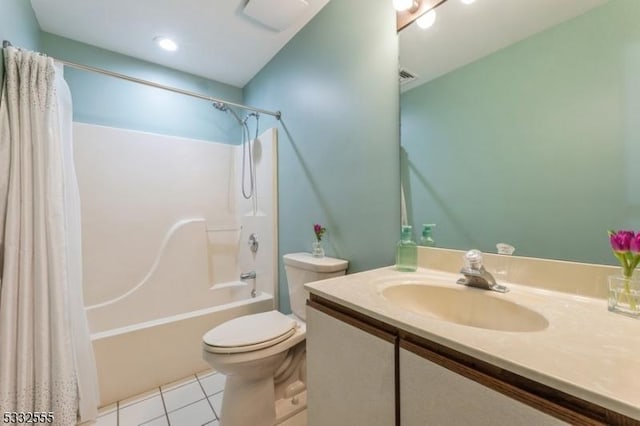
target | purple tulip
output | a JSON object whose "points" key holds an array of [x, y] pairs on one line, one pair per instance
{"points": [[621, 240], [626, 248], [634, 245], [319, 230]]}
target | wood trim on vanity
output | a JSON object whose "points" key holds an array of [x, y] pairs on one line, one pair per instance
{"points": [[556, 403], [333, 310], [499, 385]]}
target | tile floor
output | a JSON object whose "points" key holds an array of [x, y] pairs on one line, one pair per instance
{"points": [[193, 401]]}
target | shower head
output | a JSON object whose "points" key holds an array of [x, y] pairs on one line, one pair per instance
{"points": [[220, 106]]}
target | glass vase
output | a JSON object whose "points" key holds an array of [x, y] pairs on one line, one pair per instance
{"points": [[316, 249], [624, 295]]}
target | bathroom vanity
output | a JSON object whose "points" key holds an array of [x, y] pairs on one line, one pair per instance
{"points": [[386, 347]]}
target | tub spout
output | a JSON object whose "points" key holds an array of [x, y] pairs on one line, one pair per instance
{"points": [[247, 276], [250, 276]]}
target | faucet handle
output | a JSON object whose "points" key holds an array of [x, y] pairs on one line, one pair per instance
{"points": [[473, 259]]}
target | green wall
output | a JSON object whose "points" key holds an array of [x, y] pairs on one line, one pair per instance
{"points": [[103, 100], [336, 83], [18, 24], [536, 145]]}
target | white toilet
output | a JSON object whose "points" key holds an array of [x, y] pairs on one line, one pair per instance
{"points": [[263, 355]]}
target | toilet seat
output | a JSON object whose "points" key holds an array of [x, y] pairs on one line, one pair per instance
{"points": [[250, 333]]}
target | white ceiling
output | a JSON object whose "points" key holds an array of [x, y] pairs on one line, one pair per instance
{"points": [[464, 33], [217, 40]]}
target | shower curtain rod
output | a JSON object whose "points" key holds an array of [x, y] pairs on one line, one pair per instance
{"points": [[276, 114]]}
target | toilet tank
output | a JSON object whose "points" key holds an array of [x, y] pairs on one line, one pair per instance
{"points": [[303, 268]]}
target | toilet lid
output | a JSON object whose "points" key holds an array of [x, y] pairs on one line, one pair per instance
{"points": [[307, 262], [250, 332]]}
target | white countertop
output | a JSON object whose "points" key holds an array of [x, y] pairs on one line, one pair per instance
{"points": [[586, 351]]}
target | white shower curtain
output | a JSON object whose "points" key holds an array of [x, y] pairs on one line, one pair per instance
{"points": [[46, 357]]}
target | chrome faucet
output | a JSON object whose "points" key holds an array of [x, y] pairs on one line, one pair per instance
{"points": [[247, 275], [251, 275], [475, 275]]}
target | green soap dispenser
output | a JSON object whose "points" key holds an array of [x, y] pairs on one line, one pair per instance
{"points": [[426, 240], [406, 252]]}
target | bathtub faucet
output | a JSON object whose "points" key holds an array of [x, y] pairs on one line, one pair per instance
{"points": [[250, 276], [247, 275]]}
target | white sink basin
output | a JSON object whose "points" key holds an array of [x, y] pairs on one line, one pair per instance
{"points": [[465, 306]]}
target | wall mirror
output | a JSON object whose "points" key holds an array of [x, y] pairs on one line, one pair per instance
{"points": [[520, 123]]}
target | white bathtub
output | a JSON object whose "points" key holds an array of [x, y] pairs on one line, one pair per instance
{"points": [[136, 358]]}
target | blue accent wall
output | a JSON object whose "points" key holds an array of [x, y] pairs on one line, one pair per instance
{"points": [[536, 145], [336, 83], [108, 101], [19, 25]]}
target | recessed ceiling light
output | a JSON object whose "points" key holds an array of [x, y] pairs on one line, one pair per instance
{"points": [[166, 43], [427, 20], [467, 1]]}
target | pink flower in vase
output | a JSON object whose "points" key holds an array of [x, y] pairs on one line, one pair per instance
{"points": [[621, 240], [626, 247], [634, 245], [319, 230]]}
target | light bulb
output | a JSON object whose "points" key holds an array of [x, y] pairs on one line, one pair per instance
{"points": [[402, 5], [166, 43], [427, 20], [467, 1]]}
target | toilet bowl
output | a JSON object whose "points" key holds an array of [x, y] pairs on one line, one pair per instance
{"points": [[263, 355]]}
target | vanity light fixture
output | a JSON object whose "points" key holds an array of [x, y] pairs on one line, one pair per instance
{"points": [[402, 5], [166, 43], [427, 20], [422, 10]]}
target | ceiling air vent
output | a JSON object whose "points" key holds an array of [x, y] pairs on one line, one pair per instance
{"points": [[277, 15], [406, 76]]}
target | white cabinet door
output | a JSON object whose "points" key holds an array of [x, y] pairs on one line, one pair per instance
{"points": [[433, 395], [350, 374]]}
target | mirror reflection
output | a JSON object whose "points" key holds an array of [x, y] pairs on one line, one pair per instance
{"points": [[522, 125]]}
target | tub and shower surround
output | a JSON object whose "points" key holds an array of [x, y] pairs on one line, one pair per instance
{"points": [[165, 238]]}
